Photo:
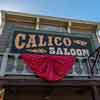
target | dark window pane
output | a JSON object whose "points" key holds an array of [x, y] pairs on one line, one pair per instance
{"points": [[53, 28], [28, 69], [85, 65], [20, 66], [10, 64], [77, 68]]}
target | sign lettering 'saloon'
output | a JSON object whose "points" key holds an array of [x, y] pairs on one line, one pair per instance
{"points": [[24, 42]]}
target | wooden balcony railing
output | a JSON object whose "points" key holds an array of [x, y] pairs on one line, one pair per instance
{"points": [[10, 64]]}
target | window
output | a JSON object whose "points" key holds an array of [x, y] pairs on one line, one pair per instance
{"points": [[21, 21], [22, 25], [53, 28], [10, 64], [77, 67], [28, 69], [20, 66], [85, 66]]}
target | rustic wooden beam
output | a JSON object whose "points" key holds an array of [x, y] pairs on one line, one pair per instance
{"points": [[95, 94], [22, 81]]}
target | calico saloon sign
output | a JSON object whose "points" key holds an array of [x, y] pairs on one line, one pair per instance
{"points": [[52, 44]]}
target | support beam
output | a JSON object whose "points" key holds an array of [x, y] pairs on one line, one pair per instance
{"points": [[37, 23], [98, 33], [69, 27], [2, 21], [94, 93]]}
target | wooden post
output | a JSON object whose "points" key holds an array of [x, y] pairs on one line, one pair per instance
{"points": [[37, 23], [95, 94], [69, 27]]}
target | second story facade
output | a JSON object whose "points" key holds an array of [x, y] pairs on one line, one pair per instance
{"points": [[84, 36]]}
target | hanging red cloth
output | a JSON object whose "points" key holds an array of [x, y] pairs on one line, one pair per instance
{"points": [[47, 67]]}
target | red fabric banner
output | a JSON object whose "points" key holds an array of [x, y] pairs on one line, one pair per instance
{"points": [[49, 67]]}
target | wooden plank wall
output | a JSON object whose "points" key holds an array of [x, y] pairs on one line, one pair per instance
{"points": [[29, 22]]}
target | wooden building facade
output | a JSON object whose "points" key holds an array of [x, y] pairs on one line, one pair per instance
{"points": [[17, 82]]}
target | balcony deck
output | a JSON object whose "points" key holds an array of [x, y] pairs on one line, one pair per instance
{"points": [[14, 72], [10, 64]]}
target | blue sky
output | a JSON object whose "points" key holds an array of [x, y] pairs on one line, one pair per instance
{"points": [[76, 9]]}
